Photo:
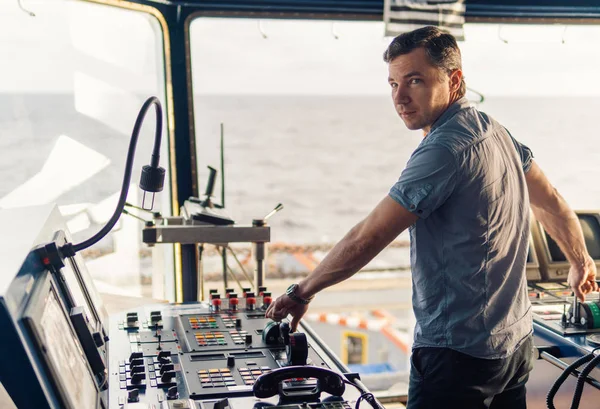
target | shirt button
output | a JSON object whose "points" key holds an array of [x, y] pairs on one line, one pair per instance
{"points": [[413, 207]]}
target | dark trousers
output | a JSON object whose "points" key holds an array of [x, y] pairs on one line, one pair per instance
{"points": [[444, 378]]}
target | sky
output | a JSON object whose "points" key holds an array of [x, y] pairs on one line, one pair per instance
{"points": [[73, 45]]}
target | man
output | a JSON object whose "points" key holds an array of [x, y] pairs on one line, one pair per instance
{"points": [[465, 195]]}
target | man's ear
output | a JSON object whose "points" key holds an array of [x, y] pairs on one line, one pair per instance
{"points": [[455, 80]]}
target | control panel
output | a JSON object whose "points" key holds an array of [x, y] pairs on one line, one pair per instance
{"points": [[219, 353]]}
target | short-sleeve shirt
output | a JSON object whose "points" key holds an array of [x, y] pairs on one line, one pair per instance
{"points": [[468, 247]]}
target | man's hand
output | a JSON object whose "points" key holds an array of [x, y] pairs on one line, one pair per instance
{"points": [[283, 306], [582, 278]]}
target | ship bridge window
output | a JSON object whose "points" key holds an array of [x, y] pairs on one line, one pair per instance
{"points": [[73, 80]]}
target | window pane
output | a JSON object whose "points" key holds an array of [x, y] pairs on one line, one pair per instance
{"points": [[73, 80]]}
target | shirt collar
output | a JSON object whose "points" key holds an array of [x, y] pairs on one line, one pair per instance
{"points": [[460, 104]]}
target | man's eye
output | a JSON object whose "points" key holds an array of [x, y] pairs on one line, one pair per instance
{"points": [[414, 81], [393, 85]]}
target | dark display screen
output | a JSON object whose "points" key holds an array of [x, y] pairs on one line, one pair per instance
{"points": [[591, 232]]}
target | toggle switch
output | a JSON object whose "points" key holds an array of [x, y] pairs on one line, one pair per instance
{"points": [[136, 362], [135, 355], [172, 393], [166, 367], [133, 395], [167, 376], [138, 377]]}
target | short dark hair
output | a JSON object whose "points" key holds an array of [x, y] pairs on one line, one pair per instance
{"points": [[441, 48]]}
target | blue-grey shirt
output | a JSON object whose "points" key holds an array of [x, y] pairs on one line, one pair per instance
{"points": [[468, 249]]}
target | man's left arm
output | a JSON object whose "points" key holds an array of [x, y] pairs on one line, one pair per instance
{"points": [[360, 245]]}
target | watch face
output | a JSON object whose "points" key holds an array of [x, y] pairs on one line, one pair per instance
{"points": [[291, 289]]}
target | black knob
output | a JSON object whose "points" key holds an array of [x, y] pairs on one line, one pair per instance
{"points": [[136, 362], [238, 323], [137, 369], [230, 361], [167, 376], [172, 392], [138, 377], [248, 338], [284, 331], [135, 355], [164, 353], [133, 395], [166, 367]]}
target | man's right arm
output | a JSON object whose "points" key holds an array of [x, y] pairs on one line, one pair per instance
{"points": [[562, 224]]}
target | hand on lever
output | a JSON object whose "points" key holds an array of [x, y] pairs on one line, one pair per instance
{"points": [[283, 306], [582, 278]]}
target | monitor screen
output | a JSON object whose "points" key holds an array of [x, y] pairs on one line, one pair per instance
{"points": [[591, 232], [57, 342]]}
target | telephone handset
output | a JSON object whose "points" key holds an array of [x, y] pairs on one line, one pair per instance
{"points": [[271, 383]]}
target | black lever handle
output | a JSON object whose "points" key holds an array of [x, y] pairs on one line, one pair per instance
{"points": [[210, 186]]}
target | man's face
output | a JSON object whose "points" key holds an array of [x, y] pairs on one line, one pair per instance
{"points": [[421, 92]]}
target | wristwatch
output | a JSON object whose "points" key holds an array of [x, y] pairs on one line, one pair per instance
{"points": [[291, 292]]}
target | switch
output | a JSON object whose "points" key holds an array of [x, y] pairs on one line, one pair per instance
{"points": [[137, 369], [238, 323], [163, 360], [172, 393], [230, 361], [166, 367], [167, 376], [248, 339], [164, 353], [136, 362], [138, 377], [135, 355], [133, 395]]}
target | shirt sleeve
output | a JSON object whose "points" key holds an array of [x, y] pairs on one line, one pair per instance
{"points": [[524, 152], [427, 181]]}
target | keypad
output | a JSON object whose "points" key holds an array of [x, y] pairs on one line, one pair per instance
{"points": [[251, 373], [228, 320], [213, 338], [216, 378], [239, 337], [203, 322]]}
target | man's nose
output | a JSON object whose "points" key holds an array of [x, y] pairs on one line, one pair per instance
{"points": [[401, 96]]}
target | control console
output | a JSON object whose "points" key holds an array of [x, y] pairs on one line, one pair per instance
{"points": [[65, 352], [225, 348]]}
